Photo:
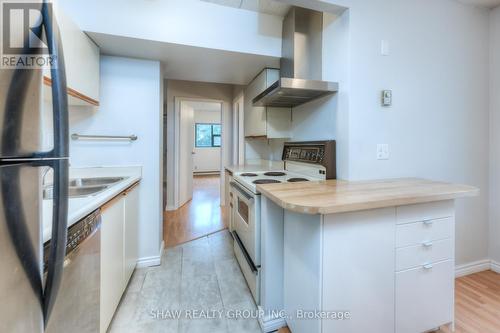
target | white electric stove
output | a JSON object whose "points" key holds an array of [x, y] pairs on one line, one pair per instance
{"points": [[304, 162], [250, 179]]}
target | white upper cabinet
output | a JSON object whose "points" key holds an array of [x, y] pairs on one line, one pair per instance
{"points": [[81, 56], [272, 123]]}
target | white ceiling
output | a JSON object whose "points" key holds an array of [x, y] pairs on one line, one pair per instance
{"points": [[261, 6], [205, 106], [183, 62], [482, 3]]}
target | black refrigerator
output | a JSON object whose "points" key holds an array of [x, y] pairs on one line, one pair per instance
{"points": [[27, 294]]}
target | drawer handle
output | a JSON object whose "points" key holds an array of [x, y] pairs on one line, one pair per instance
{"points": [[428, 222], [427, 266], [427, 244]]}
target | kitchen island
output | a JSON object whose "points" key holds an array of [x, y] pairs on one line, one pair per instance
{"points": [[367, 256]]}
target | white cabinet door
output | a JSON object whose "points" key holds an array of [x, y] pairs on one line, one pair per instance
{"points": [[424, 297], [273, 123], [255, 116], [81, 57], [358, 270], [112, 259], [131, 231]]}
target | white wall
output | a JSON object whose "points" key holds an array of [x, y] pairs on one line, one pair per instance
{"points": [[196, 90], [171, 21], [131, 100], [438, 125], [494, 232], [207, 159]]}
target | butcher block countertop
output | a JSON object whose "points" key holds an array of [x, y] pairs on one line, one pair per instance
{"points": [[340, 196]]}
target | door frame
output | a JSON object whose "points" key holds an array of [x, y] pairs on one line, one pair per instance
{"points": [[238, 129], [186, 150], [177, 145]]}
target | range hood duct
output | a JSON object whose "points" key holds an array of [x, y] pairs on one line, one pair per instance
{"points": [[301, 62]]}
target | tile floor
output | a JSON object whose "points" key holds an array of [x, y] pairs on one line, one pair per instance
{"points": [[200, 275]]}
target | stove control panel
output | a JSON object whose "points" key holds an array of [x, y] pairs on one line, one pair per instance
{"points": [[305, 154], [313, 152]]}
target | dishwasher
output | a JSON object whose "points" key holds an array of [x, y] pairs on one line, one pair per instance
{"points": [[77, 306]]}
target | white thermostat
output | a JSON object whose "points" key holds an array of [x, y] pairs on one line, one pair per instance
{"points": [[386, 97]]}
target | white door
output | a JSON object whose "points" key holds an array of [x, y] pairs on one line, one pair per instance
{"points": [[186, 142], [238, 129]]}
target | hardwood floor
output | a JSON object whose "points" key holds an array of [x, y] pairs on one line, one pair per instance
{"points": [[477, 304], [201, 216]]}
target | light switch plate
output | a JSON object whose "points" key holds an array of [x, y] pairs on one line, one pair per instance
{"points": [[386, 97], [382, 151], [384, 48]]}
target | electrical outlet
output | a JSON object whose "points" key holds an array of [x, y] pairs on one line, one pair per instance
{"points": [[386, 97], [382, 151]]}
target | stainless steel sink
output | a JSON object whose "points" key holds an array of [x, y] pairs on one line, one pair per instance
{"points": [[76, 192], [84, 187], [97, 181], [85, 191]]}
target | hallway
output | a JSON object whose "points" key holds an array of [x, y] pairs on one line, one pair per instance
{"points": [[201, 216]]}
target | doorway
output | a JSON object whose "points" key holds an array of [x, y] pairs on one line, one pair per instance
{"points": [[199, 160]]}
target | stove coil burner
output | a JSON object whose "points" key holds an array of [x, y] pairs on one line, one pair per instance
{"points": [[275, 174], [296, 180], [247, 174], [266, 181]]}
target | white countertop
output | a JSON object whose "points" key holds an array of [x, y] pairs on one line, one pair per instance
{"points": [[78, 208]]}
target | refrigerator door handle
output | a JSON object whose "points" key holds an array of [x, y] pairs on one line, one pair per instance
{"points": [[59, 85], [57, 249]]}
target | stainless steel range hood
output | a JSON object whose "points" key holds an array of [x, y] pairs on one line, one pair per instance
{"points": [[301, 64]]}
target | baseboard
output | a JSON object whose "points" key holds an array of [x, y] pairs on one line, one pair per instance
{"points": [[270, 324], [151, 261], [170, 208], [474, 267], [495, 266]]}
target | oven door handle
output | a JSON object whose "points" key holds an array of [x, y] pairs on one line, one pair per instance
{"points": [[250, 263], [242, 191]]}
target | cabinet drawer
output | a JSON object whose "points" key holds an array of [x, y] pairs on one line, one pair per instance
{"points": [[424, 298], [420, 232], [425, 253], [422, 212]]}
